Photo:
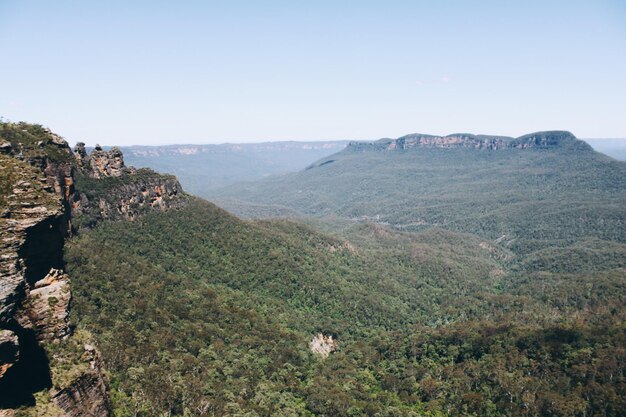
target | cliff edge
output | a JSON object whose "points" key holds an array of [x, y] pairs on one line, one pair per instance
{"points": [[47, 194]]}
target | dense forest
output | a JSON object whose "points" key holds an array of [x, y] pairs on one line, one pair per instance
{"points": [[200, 313]]}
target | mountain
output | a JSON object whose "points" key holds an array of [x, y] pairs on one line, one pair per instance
{"points": [[202, 168], [180, 308], [528, 193]]}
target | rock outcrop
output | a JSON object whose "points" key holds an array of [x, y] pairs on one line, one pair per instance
{"points": [[109, 190], [323, 345], [465, 140], [47, 193], [86, 395], [101, 163], [45, 309]]}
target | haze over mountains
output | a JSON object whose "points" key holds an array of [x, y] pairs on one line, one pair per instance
{"points": [[496, 187], [204, 168], [615, 147]]}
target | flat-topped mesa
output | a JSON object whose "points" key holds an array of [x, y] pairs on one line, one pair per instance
{"points": [[101, 163], [548, 139]]}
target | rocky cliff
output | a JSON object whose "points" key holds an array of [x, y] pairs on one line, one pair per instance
{"points": [[47, 193], [547, 139], [109, 190]]}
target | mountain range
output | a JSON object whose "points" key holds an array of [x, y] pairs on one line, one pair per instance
{"points": [[421, 276], [202, 168]]}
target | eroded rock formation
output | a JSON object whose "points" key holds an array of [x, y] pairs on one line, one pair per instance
{"points": [[101, 163], [112, 191], [47, 193], [323, 345], [45, 310]]}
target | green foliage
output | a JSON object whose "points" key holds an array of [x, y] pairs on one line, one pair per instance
{"points": [[529, 199], [199, 313], [33, 141]]}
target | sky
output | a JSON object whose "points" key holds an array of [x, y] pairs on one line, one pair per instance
{"points": [[164, 72]]}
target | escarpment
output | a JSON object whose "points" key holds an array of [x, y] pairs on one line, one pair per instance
{"points": [[109, 190], [48, 193], [548, 139]]}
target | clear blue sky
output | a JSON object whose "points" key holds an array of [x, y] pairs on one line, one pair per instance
{"points": [[153, 72]]}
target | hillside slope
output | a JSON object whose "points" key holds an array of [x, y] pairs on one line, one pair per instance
{"points": [[528, 193], [201, 313]]}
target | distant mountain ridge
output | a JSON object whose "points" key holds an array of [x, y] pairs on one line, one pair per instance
{"points": [[205, 168], [532, 191], [201, 168], [468, 140], [193, 149]]}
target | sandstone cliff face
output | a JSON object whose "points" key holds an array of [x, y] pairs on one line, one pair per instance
{"points": [[29, 225], [128, 201], [451, 141], [109, 190], [47, 193], [87, 394], [462, 140], [36, 180], [45, 310]]}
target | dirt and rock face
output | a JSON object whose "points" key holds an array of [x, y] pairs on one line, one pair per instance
{"points": [[39, 206], [109, 190], [101, 163], [323, 345]]}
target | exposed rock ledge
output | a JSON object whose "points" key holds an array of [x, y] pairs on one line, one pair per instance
{"points": [[323, 345], [87, 394], [37, 171], [45, 310]]}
